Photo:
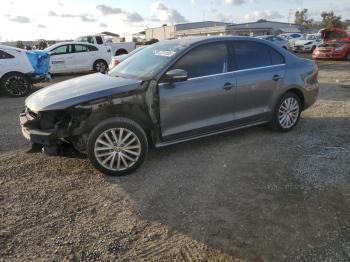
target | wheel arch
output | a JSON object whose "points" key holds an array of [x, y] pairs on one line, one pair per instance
{"points": [[121, 51], [130, 111], [299, 93]]}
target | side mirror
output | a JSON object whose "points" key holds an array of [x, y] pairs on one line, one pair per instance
{"points": [[176, 75]]}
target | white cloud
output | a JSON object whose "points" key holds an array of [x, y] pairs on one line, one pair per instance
{"points": [[263, 14], [166, 15], [234, 2], [62, 20]]}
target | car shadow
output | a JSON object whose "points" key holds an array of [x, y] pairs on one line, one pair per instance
{"points": [[252, 192]]}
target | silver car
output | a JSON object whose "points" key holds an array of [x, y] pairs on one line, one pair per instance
{"points": [[168, 93], [279, 41]]}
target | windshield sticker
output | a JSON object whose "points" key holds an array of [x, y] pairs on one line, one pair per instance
{"points": [[164, 53]]}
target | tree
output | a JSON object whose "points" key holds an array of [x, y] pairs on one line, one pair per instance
{"points": [[331, 20], [301, 18]]}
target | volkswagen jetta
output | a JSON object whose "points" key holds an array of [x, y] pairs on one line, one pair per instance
{"points": [[171, 92]]}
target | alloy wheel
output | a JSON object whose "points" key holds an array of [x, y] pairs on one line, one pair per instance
{"points": [[288, 112], [16, 85], [101, 67], [117, 149]]}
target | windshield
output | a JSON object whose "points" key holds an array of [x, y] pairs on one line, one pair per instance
{"points": [[149, 61]]}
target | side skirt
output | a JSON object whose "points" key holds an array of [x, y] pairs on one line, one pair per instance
{"points": [[176, 141]]}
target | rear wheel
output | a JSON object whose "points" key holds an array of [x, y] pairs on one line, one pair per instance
{"points": [[117, 146], [16, 84], [100, 66], [287, 113]]}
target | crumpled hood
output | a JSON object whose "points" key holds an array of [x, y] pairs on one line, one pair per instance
{"points": [[79, 90]]}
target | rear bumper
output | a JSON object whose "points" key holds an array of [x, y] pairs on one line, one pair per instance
{"points": [[35, 135]]}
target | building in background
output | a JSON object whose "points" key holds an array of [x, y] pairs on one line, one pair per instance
{"points": [[207, 28], [175, 31]]}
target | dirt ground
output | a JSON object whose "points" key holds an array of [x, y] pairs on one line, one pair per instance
{"points": [[250, 195]]}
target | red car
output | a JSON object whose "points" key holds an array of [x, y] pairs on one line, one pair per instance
{"points": [[334, 34], [334, 50]]}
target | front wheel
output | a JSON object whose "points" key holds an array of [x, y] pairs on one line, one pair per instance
{"points": [[16, 84], [287, 113], [117, 146]]}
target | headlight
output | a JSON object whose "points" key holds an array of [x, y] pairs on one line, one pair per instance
{"points": [[308, 43]]}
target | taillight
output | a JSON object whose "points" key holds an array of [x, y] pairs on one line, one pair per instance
{"points": [[116, 62]]}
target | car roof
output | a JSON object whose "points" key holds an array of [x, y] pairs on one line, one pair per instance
{"points": [[69, 43], [207, 39], [6, 47]]}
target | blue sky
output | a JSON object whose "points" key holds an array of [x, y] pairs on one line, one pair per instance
{"points": [[66, 19]]}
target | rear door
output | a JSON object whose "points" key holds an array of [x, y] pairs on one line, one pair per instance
{"points": [[259, 70], [60, 59], [83, 57], [205, 101]]}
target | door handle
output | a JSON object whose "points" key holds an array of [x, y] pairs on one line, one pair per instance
{"points": [[228, 86], [276, 77]]}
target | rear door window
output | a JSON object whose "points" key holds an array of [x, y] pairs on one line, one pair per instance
{"points": [[249, 54], [80, 48], [208, 59]]}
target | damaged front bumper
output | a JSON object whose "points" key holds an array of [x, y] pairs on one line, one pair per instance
{"points": [[34, 134]]}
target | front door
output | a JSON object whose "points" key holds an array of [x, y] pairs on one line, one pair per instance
{"points": [[203, 102], [60, 59]]}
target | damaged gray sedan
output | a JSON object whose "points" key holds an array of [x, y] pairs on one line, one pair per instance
{"points": [[171, 92]]}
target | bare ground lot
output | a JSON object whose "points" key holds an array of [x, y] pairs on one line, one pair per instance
{"points": [[251, 195]]}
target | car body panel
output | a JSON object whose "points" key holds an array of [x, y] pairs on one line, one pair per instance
{"points": [[255, 91], [19, 62], [196, 103], [78, 90]]}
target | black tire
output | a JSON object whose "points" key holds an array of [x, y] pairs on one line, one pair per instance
{"points": [[313, 49], [16, 84], [117, 123], [100, 66], [276, 123]]}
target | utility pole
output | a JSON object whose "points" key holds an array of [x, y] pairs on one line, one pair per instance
{"points": [[290, 16]]}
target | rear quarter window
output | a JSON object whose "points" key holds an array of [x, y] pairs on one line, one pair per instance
{"points": [[4, 55], [276, 57]]}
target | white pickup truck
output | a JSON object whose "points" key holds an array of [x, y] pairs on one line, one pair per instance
{"points": [[117, 48]]}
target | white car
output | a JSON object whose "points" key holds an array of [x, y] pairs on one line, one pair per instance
{"points": [[16, 71], [307, 43], [292, 37], [279, 41], [75, 57]]}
